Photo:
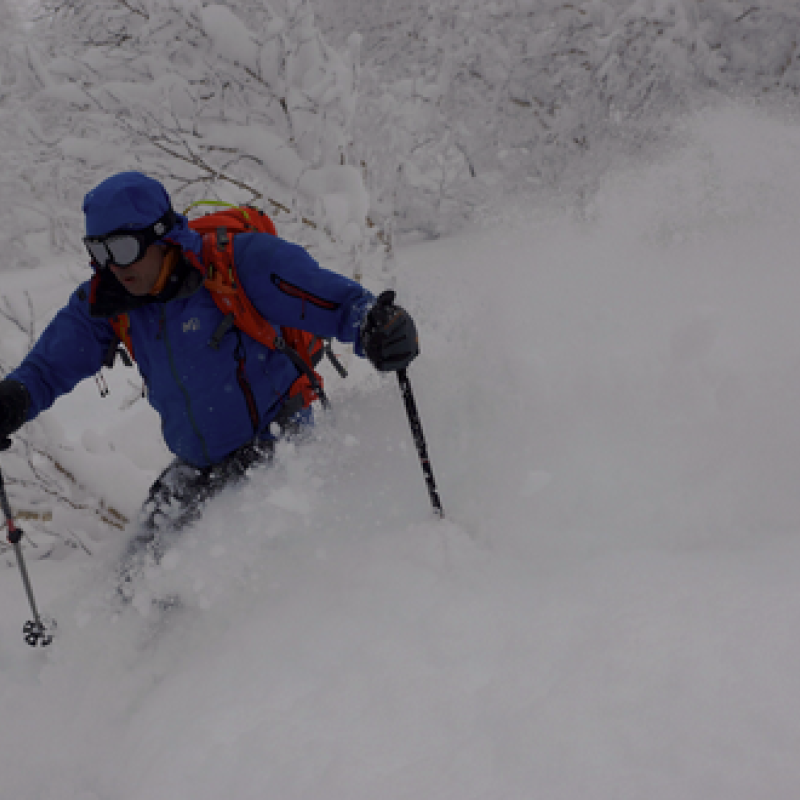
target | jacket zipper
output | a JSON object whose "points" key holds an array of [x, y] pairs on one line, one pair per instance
{"points": [[184, 391], [244, 384], [306, 297]]}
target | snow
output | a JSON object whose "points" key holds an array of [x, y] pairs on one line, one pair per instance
{"points": [[608, 610], [338, 189], [231, 38], [90, 151]]}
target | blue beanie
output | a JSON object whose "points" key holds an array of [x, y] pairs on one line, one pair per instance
{"points": [[132, 201], [127, 200]]}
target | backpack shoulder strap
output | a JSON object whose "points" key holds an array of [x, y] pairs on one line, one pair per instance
{"points": [[222, 282], [121, 325]]}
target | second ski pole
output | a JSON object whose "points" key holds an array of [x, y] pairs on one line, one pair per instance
{"points": [[34, 631]]}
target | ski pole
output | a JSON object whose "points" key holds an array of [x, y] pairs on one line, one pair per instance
{"points": [[419, 440], [34, 630]]}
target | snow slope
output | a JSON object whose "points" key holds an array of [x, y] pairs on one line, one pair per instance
{"points": [[610, 608]]}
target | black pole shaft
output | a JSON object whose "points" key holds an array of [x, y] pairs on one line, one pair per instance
{"points": [[419, 440], [14, 539], [27, 583]]}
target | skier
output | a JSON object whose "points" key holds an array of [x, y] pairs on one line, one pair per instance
{"points": [[224, 402]]}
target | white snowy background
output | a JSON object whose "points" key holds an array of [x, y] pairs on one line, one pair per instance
{"points": [[609, 385]]}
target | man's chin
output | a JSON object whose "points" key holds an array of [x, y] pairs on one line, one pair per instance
{"points": [[134, 288]]}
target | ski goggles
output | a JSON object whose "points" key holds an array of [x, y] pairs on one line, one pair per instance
{"points": [[123, 248]]}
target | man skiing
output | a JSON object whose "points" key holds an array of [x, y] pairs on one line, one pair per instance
{"points": [[223, 397]]}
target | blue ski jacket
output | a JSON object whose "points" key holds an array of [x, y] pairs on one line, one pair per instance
{"points": [[193, 386]]}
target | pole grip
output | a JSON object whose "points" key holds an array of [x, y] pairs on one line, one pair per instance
{"points": [[14, 533]]}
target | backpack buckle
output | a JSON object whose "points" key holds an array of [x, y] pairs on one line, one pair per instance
{"points": [[224, 326]]}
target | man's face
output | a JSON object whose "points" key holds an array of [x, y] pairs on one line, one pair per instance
{"points": [[141, 276]]}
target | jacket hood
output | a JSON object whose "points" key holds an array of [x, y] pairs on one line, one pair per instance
{"points": [[132, 201]]}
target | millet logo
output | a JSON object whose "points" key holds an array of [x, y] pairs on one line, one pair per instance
{"points": [[192, 325]]}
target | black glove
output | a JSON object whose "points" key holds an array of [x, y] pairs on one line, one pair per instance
{"points": [[389, 336], [14, 402]]}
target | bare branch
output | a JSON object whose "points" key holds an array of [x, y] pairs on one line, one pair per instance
{"points": [[24, 325]]}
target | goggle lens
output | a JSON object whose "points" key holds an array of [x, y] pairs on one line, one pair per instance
{"points": [[121, 249], [97, 251]]}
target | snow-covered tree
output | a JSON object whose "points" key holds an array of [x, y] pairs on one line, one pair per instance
{"points": [[18, 80], [759, 45], [443, 107], [511, 93], [244, 105], [464, 100]]}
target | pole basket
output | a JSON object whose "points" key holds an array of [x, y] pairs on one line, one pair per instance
{"points": [[38, 634]]}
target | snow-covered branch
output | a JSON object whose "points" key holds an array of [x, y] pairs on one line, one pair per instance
{"points": [[44, 493], [245, 105], [464, 101]]}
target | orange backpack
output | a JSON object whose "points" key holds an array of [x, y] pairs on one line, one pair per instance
{"points": [[303, 348]]}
